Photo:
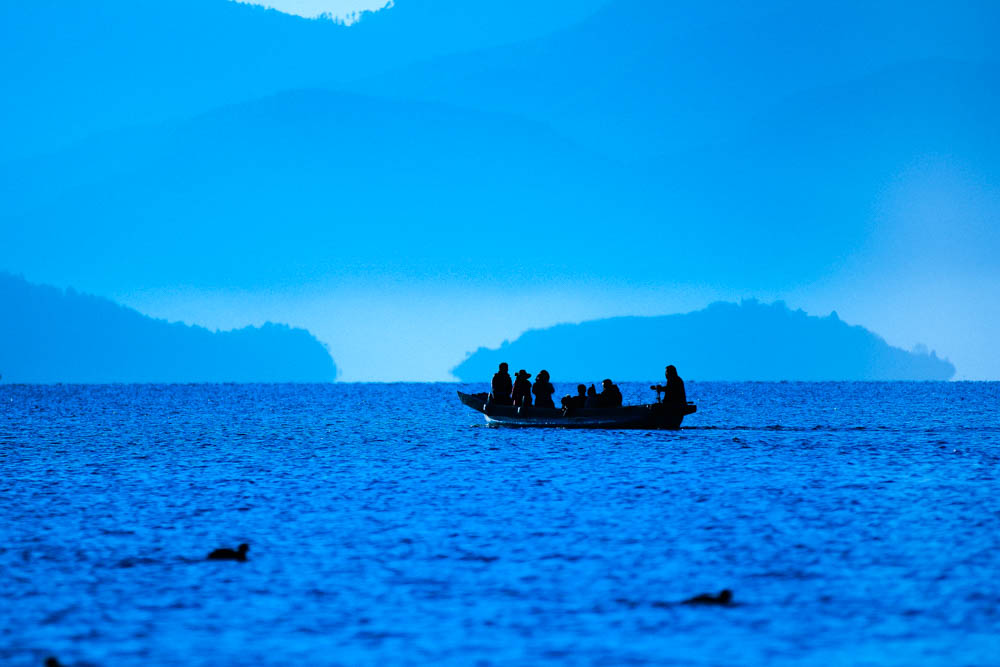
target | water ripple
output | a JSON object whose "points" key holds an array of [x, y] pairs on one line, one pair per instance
{"points": [[853, 521]]}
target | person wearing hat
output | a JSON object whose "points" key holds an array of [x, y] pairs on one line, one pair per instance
{"points": [[522, 389], [501, 386], [543, 391]]}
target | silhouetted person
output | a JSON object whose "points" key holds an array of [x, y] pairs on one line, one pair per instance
{"points": [[673, 392], [522, 389], [228, 554], [723, 598], [578, 401], [593, 400], [501, 386], [543, 390], [611, 396]]}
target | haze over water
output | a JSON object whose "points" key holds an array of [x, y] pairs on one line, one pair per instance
{"points": [[856, 524]]}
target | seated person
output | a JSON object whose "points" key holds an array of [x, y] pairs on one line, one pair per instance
{"points": [[543, 390], [578, 401], [501, 387], [593, 400], [610, 397], [522, 389]]}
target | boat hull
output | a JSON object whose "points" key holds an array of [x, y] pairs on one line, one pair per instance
{"points": [[651, 416]]}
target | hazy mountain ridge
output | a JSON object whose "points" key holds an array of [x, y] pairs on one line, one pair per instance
{"points": [[643, 77], [50, 335], [812, 173], [350, 180], [749, 341], [72, 69], [320, 164]]}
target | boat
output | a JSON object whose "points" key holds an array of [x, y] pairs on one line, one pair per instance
{"points": [[649, 416]]}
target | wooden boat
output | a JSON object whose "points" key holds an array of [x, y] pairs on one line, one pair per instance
{"points": [[650, 416]]}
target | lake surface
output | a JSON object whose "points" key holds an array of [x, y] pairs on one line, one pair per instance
{"points": [[856, 523]]}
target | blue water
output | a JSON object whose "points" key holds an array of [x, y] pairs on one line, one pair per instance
{"points": [[856, 524]]}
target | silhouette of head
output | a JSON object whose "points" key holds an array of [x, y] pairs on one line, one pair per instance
{"points": [[543, 375], [671, 371], [503, 367], [243, 549], [581, 389], [523, 374], [52, 661], [591, 391], [725, 596], [607, 383]]}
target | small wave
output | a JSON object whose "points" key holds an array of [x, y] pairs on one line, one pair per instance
{"points": [[479, 558], [570, 558], [132, 562]]}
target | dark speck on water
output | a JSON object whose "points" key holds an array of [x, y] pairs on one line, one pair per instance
{"points": [[857, 523], [238, 554]]}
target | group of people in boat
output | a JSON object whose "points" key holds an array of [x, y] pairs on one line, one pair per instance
{"points": [[520, 391]]}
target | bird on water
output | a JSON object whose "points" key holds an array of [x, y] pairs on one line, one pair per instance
{"points": [[724, 597], [228, 554]]}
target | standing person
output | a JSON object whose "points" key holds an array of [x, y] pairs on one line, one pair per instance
{"points": [[593, 400], [543, 390], [501, 386], [673, 392], [522, 389]]}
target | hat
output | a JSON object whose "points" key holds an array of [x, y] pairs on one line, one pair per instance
{"points": [[523, 374]]}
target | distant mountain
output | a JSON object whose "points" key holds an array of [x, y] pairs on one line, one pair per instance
{"points": [[805, 183], [428, 190], [70, 69], [50, 335], [749, 341], [774, 140], [647, 77], [315, 183]]}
